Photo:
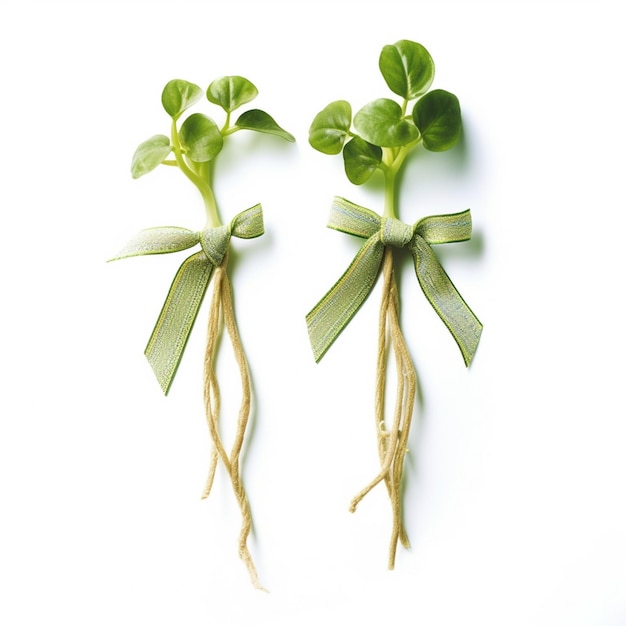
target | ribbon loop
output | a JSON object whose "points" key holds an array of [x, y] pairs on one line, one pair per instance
{"points": [[159, 240], [248, 224], [353, 219], [445, 228], [335, 310]]}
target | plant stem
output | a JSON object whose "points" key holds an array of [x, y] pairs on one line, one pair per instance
{"points": [[226, 126], [393, 159], [203, 184], [390, 193]]}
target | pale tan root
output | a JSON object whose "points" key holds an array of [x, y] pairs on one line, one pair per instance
{"points": [[392, 444], [222, 304]]}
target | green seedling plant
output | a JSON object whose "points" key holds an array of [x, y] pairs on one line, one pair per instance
{"points": [[192, 147], [378, 138]]}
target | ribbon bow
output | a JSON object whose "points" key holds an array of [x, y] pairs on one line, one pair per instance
{"points": [[335, 310], [171, 331]]}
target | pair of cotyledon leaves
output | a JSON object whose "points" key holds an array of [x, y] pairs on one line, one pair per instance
{"points": [[200, 137], [408, 70]]}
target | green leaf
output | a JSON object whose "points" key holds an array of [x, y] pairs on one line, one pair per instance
{"points": [[260, 121], [438, 117], [331, 127], [380, 122], [361, 159], [407, 68], [178, 95], [149, 155], [201, 138], [230, 92]]}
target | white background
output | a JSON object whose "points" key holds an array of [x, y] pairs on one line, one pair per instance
{"points": [[514, 500]]}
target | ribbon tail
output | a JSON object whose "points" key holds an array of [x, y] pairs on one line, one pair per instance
{"points": [[446, 300], [335, 310], [169, 337]]}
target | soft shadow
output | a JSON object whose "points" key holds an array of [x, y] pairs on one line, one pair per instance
{"points": [[471, 249], [250, 143], [259, 245], [450, 163]]}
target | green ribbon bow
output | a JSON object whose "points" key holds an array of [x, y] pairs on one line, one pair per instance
{"points": [[171, 331], [335, 310]]}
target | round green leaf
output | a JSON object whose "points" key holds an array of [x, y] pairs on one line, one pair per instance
{"points": [[149, 155], [260, 121], [230, 92], [438, 117], [330, 127], [407, 68], [178, 95], [201, 138], [361, 159], [380, 122]]}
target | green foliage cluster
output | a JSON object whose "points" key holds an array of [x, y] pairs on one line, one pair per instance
{"points": [[382, 132], [199, 139]]}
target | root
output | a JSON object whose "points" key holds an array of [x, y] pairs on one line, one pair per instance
{"points": [[392, 444], [222, 307]]}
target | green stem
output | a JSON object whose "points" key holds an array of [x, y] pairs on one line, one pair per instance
{"points": [[390, 193], [230, 130], [227, 129], [393, 160], [226, 126], [203, 184]]}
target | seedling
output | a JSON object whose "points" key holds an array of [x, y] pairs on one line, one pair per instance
{"points": [[193, 147], [379, 137]]}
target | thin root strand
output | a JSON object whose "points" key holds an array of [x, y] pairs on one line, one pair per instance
{"points": [[222, 307], [392, 443]]}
